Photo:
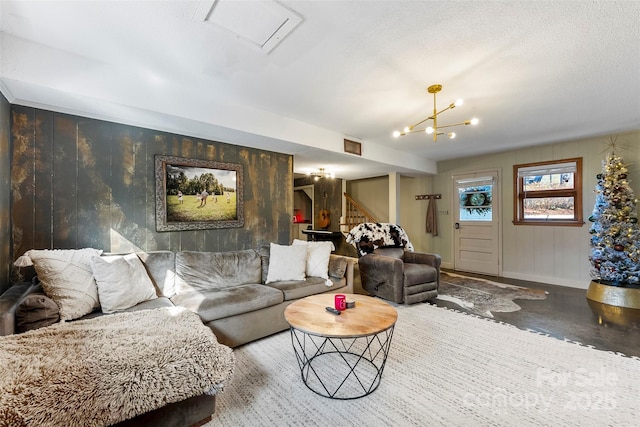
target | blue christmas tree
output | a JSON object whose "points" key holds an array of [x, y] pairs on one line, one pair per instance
{"points": [[615, 234]]}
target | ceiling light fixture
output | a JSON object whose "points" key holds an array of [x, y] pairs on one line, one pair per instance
{"points": [[435, 129], [320, 173]]}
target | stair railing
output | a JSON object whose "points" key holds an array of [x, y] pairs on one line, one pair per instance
{"points": [[354, 215]]}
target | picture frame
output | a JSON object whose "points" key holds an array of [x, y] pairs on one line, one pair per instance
{"points": [[195, 194]]}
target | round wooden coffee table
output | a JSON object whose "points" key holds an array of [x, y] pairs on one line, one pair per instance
{"points": [[341, 356]]}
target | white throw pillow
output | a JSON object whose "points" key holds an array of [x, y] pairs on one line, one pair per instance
{"points": [[67, 279], [122, 282], [305, 242], [286, 263], [318, 254]]}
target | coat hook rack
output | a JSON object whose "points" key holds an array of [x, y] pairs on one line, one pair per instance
{"points": [[428, 196]]}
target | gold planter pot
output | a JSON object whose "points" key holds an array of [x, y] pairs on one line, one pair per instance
{"points": [[614, 295], [612, 304]]}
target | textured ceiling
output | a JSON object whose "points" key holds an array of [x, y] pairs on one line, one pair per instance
{"points": [[533, 72]]}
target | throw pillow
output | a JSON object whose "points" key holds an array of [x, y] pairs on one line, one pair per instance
{"points": [[286, 263], [305, 242], [67, 279], [337, 267], [36, 311], [318, 254], [122, 282]]}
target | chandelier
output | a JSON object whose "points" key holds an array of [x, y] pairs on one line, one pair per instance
{"points": [[435, 128], [320, 173]]}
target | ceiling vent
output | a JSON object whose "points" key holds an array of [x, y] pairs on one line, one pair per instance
{"points": [[263, 24]]}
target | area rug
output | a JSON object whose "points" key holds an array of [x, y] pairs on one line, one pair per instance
{"points": [[483, 297], [445, 368]]}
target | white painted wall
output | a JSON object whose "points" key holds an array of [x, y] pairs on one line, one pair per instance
{"points": [[555, 255]]}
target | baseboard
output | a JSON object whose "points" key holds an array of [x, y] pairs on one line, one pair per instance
{"points": [[535, 278], [547, 280], [448, 265]]}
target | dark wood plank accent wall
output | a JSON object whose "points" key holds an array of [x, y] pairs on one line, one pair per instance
{"points": [[78, 182], [333, 190], [5, 194]]}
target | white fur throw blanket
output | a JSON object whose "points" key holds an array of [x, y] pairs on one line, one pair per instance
{"points": [[368, 236], [101, 371]]}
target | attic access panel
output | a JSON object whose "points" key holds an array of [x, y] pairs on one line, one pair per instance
{"points": [[262, 23]]}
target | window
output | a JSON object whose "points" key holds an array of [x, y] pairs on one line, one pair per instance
{"points": [[476, 199], [548, 193]]}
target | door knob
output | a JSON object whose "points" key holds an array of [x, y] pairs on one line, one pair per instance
{"points": [[457, 225]]}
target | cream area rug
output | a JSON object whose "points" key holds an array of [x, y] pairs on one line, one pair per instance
{"points": [[101, 371], [483, 297], [445, 368]]}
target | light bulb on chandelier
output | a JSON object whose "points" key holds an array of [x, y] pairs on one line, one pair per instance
{"points": [[320, 173], [434, 89]]}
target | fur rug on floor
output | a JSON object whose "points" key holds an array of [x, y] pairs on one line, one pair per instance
{"points": [[108, 369], [481, 296]]}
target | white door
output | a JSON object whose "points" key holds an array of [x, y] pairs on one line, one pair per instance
{"points": [[477, 222]]}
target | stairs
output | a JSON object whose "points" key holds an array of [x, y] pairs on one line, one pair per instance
{"points": [[354, 215]]}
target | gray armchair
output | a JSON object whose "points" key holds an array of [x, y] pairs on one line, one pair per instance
{"points": [[400, 276]]}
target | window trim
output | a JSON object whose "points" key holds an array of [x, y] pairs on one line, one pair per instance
{"points": [[576, 193]]}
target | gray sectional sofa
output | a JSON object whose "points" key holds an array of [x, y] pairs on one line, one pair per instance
{"points": [[226, 289]]}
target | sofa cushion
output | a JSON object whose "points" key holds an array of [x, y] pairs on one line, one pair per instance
{"points": [[67, 279], [224, 302], [122, 282], [286, 262], [419, 273], [295, 289], [36, 311], [159, 302], [161, 266], [203, 271]]}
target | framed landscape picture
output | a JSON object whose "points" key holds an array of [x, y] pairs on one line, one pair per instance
{"points": [[193, 194]]}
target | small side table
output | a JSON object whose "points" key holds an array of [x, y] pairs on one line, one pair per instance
{"points": [[341, 356]]}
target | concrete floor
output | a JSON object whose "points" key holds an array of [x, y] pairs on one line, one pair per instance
{"points": [[566, 314]]}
